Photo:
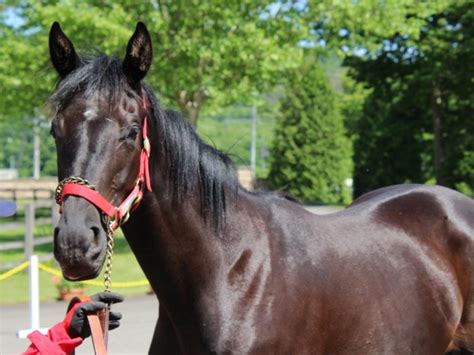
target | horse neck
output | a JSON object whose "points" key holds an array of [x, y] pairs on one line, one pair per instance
{"points": [[180, 253]]}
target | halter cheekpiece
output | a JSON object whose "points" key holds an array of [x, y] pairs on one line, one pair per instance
{"points": [[114, 216]]}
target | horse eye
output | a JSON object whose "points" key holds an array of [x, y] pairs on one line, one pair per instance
{"points": [[132, 135]]}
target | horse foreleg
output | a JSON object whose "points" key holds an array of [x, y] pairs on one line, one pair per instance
{"points": [[164, 338]]}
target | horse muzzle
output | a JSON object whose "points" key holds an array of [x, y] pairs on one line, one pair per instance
{"points": [[80, 240]]}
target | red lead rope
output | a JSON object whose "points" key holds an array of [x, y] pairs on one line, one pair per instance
{"points": [[81, 188]]}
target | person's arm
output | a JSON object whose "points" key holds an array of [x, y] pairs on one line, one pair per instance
{"points": [[65, 336]]}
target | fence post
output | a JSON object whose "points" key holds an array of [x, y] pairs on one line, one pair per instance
{"points": [[34, 293], [34, 300], [29, 230]]}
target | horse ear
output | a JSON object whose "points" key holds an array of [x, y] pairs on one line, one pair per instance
{"points": [[139, 54], [61, 50]]}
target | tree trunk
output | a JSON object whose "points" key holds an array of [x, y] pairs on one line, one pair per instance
{"points": [[190, 105], [438, 134], [191, 114]]}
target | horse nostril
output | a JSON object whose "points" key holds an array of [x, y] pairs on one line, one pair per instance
{"points": [[96, 232]]}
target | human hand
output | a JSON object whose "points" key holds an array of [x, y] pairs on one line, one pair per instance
{"points": [[79, 326]]}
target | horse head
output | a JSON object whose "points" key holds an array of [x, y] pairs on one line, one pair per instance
{"points": [[100, 111]]}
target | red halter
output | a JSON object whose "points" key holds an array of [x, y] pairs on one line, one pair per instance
{"points": [[80, 187]]}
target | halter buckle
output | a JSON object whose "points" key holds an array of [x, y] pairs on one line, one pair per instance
{"points": [[147, 146]]}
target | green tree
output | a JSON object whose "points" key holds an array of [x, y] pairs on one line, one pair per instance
{"points": [[420, 107], [207, 53], [360, 26], [311, 155]]}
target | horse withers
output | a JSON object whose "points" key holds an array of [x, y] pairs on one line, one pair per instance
{"points": [[249, 272]]}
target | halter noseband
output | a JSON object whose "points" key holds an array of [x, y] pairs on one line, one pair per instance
{"points": [[115, 216]]}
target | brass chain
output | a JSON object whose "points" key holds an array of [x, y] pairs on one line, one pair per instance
{"points": [[70, 180], [108, 257]]}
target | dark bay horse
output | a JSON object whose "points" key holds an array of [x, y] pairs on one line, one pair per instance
{"points": [[242, 272]]}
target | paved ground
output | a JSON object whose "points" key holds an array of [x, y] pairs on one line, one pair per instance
{"points": [[133, 337]]}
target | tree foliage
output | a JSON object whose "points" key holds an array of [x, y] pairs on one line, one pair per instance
{"points": [[206, 52], [311, 155], [407, 104], [360, 26], [420, 107]]}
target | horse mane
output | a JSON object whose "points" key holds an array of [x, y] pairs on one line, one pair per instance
{"points": [[193, 166]]}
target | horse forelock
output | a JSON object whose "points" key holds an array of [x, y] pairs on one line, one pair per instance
{"points": [[100, 76]]}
